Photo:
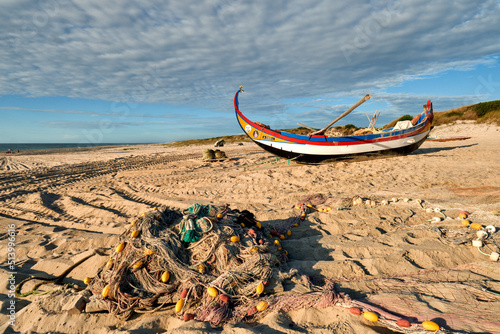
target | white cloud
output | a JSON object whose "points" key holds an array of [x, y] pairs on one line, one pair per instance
{"points": [[199, 53]]}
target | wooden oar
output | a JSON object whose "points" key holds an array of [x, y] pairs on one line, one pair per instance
{"points": [[322, 131]]}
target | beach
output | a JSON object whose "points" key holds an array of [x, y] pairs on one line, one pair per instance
{"points": [[64, 204]]}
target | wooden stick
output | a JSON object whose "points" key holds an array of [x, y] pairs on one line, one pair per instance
{"points": [[305, 126], [357, 104]]}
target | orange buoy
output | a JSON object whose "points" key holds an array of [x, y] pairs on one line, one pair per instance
{"points": [[430, 325], [105, 291], [403, 323], [252, 311], [262, 306], [476, 226], [120, 247], [224, 298], [184, 293], [355, 310], [282, 237], [235, 238], [465, 223], [188, 316], [179, 305], [370, 316], [212, 291], [87, 280]]}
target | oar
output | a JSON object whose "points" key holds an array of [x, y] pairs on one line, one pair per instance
{"points": [[322, 131]]}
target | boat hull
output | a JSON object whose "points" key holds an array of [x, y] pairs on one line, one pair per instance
{"points": [[318, 148]]}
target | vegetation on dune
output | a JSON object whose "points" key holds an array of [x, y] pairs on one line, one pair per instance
{"points": [[483, 112]]}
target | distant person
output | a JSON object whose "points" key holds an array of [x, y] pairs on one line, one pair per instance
{"points": [[9, 151]]}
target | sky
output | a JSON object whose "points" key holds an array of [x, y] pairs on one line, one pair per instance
{"points": [[121, 71]]}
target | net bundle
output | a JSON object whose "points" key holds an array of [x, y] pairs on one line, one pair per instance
{"points": [[166, 256]]}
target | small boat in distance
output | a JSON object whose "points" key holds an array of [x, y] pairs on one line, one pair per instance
{"points": [[405, 137]]}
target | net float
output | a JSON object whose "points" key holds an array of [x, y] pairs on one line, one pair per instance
{"points": [[463, 214], [184, 293], [235, 238], [371, 316], [262, 306], [87, 280], [260, 288], [120, 247], [403, 323], [289, 233], [273, 232], [277, 242], [254, 250], [224, 298], [219, 215], [137, 265], [179, 305], [258, 224], [133, 222], [212, 291], [430, 325], [252, 311], [476, 226], [202, 268], [105, 291], [296, 225], [109, 264], [134, 234], [242, 224], [148, 251], [355, 310], [282, 237], [165, 276], [155, 208], [251, 232], [465, 223], [188, 316]]}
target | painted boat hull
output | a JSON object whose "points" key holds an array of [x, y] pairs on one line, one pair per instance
{"points": [[320, 148]]}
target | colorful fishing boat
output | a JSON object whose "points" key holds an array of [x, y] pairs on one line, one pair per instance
{"points": [[405, 137]]}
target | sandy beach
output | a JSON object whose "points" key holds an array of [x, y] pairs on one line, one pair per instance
{"points": [[63, 205]]}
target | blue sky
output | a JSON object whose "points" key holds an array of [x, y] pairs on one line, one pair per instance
{"points": [[120, 71]]}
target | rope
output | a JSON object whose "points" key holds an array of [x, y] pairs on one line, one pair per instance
{"points": [[45, 280]]}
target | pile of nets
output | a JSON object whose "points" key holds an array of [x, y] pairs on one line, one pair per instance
{"points": [[217, 265], [213, 263]]}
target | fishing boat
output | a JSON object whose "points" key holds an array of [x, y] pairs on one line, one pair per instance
{"points": [[405, 137]]}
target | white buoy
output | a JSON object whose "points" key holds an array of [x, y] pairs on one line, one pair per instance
{"points": [[436, 219], [429, 210], [494, 256], [481, 234], [477, 243], [490, 229], [437, 210]]}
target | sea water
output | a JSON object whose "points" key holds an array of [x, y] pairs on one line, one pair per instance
{"points": [[48, 146]]}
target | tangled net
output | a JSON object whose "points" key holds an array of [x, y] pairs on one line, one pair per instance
{"points": [[214, 264]]}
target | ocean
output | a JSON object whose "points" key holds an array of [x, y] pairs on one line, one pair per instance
{"points": [[46, 146]]}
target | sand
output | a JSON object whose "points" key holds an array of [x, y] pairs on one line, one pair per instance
{"points": [[65, 204]]}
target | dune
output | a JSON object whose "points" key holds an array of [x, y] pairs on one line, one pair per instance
{"points": [[65, 205]]}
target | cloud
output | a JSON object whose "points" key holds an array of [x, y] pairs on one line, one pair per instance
{"points": [[183, 53]]}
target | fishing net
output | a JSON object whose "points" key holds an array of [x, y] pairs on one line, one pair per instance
{"points": [[214, 263]]}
